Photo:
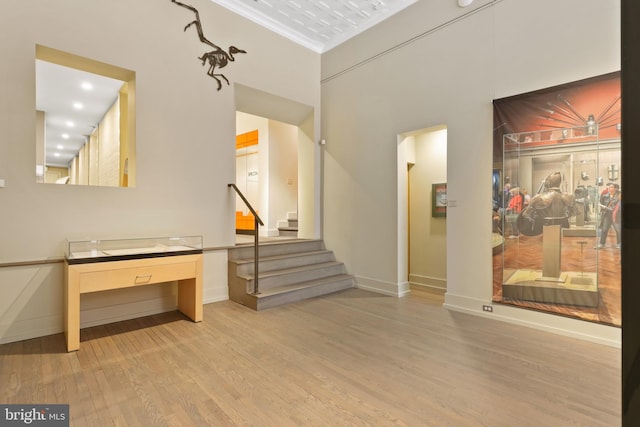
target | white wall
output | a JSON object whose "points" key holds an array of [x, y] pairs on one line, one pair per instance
{"points": [[185, 143], [456, 61]]}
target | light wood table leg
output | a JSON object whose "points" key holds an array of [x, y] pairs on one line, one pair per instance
{"points": [[190, 295], [72, 310]]}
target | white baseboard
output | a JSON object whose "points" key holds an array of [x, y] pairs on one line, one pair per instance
{"points": [[428, 281], [386, 288], [217, 296], [32, 328], [574, 328], [436, 290]]}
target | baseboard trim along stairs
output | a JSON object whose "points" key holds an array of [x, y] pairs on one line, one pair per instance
{"points": [[288, 271]]}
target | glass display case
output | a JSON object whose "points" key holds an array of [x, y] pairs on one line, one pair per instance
{"points": [[552, 214], [87, 251]]}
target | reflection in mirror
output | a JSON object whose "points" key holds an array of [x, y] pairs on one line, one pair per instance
{"points": [[85, 121]]}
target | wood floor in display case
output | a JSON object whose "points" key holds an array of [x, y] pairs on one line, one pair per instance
{"points": [[524, 253]]}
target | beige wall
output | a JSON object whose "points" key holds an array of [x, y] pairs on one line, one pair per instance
{"points": [[98, 160], [185, 133], [438, 64], [94, 158], [109, 147], [54, 173], [283, 173], [373, 88], [428, 234], [40, 146]]}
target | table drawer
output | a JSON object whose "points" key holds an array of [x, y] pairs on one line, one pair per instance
{"points": [[129, 276]]}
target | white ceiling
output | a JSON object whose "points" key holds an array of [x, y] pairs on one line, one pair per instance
{"points": [[67, 127], [319, 25]]}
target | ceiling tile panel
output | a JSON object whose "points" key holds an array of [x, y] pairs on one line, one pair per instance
{"points": [[316, 24]]}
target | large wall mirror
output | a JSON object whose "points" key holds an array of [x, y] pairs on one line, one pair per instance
{"points": [[85, 121]]}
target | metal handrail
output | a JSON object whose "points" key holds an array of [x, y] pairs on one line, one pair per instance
{"points": [[258, 222]]}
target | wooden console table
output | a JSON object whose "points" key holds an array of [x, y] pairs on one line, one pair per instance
{"points": [[83, 278]]}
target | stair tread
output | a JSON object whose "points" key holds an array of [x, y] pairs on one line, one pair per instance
{"points": [[288, 228], [282, 256], [283, 271], [303, 285], [297, 270], [293, 241]]}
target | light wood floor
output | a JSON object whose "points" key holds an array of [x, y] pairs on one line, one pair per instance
{"points": [[351, 358]]}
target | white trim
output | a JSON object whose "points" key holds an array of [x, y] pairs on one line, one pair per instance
{"points": [[569, 327], [428, 281], [215, 295], [32, 328], [50, 325], [429, 288], [380, 287]]}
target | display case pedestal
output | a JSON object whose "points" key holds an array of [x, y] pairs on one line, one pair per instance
{"points": [[551, 250], [530, 285]]}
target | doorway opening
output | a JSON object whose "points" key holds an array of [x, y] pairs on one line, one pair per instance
{"points": [[276, 166], [267, 174], [422, 227]]}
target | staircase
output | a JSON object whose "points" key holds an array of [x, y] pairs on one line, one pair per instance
{"points": [[289, 227], [289, 271]]}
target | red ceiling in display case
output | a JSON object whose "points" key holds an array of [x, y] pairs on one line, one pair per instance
{"points": [[573, 105]]}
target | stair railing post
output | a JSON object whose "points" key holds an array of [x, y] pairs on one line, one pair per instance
{"points": [[256, 289], [258, 222]]}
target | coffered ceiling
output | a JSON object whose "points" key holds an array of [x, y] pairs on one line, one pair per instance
{"points": [[319, 25]]}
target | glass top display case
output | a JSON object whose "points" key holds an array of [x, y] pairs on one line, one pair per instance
{"points": [[88, 251]]}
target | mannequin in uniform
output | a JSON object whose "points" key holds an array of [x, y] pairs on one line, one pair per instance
{"points": [[549, 207]]}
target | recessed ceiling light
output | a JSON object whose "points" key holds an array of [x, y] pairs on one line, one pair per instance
{"points": [[60, 147], [86, 86], [70, 124], [65, 136], [56, 154], [464, 3], [78, 106]]}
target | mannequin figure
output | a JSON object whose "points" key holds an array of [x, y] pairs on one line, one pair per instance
{"points": [[549, 207]]}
